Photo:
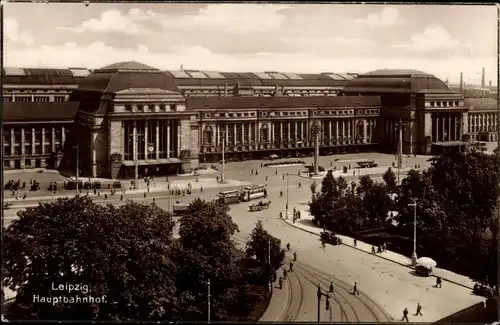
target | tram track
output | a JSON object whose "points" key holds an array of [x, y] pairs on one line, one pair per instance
{"points": [[351, 308]]}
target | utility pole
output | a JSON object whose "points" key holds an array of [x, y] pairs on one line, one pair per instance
{"points": [[320, 294], [136, 161], [222, 177], [287, 181], [77, 168], [400, 126], [414, 255], [208, 300], [316, 131]]}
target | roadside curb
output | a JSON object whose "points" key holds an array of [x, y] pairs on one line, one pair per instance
{"points": [[287, 288], [380, 256]]}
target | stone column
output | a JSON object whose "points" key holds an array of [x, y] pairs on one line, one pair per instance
{"points": [[168, 139], [336, 129], [234, 134], [23, 148], [146, 140], [226, 136], [272, 132], [43, 141], [33, 141], [178, 124], [443, 121], [12, 140], [281, 132], [365, 131], [464, 124], [289, 124], [217, 137], [450, 130], [63, 136], [215, 132], [411, 136], [157, 139], [53, 140]]}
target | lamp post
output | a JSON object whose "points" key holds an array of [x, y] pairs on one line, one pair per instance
{"points": [[77, 168], [316, 130], [400, 126], [414, 255], [223, 173], [287, 182], [208, 300], [320, 294]]}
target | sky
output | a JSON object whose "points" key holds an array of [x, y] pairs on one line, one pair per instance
{"points": [[443, 40]]}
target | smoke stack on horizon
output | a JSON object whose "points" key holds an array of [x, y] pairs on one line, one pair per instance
{"points": [[461, 82], [489, 85], [182, 67], [483, 79]]}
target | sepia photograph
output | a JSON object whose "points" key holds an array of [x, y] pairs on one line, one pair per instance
{"points": [[250, 162]]}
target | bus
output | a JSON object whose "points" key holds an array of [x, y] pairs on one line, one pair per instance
{"points": [[253, 192], [229, 197]]}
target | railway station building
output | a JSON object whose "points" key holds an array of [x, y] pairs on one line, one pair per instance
{"points": [[165, 122]]}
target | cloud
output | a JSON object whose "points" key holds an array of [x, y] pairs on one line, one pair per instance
{"points": [[114, 21], [432, 39], [386, 17], [235, 18], [98, 54], [14, 34]]}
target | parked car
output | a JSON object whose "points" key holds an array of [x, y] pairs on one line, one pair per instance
{"points": [[330, 238], [483, 290]]}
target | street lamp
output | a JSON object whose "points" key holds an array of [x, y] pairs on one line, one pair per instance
{"points": [[208, 299], [414, 255], [223, 172], [316, 129], [77, 167], [287, 182], [400, 126]]}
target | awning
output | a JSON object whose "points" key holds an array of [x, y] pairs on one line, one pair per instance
{"points": [[151, 162]]}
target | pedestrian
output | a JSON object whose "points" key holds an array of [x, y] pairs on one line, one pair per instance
{"points": [[256, 172], [331, 164], [294, 256], [379, 248], [405, 315], [217, 178], [355, 242], [331, 287], [385, 247], [438, 282], [201, 188], [291, 267], [261, 165], [281, 193], [373, 249], [281, 282], [288, 246], [327, 303], [154, 199], [251, 172], [281, 215], [419, 310], [283, 176], [95, 191], [24, 196], [349, 166], [276, 172], [105, 196], [353, 173], [355, 289], [121, 197], [145, 194], [266, 178], [98, 194], [284, 274]]}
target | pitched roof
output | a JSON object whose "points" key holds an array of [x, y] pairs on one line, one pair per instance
{"points": [[33, 76], [126, 66], [481, 104], [17, 112], [280, 102], [396, 81]]}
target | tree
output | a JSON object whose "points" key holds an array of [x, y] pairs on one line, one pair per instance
{"points": [[390, 180], [206, 251], [120, 253], [258, 246], [376, 204], [365, 185]]}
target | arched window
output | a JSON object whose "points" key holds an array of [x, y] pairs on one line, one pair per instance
{"points": [[264, 133], [207, 136]]}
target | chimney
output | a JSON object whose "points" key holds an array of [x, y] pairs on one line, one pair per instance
{"points": [[461, 82], [225, 90], [489, 83], [483, 80]]}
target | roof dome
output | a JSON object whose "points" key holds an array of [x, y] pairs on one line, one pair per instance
{"points": [[127, 75], [119, 77], [402, 81]]}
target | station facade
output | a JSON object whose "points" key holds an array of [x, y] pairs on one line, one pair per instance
{"points": [[129, 114]]}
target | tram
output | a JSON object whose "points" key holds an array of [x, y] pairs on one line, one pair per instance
{"points": [[229, 197], [253, 192]]}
